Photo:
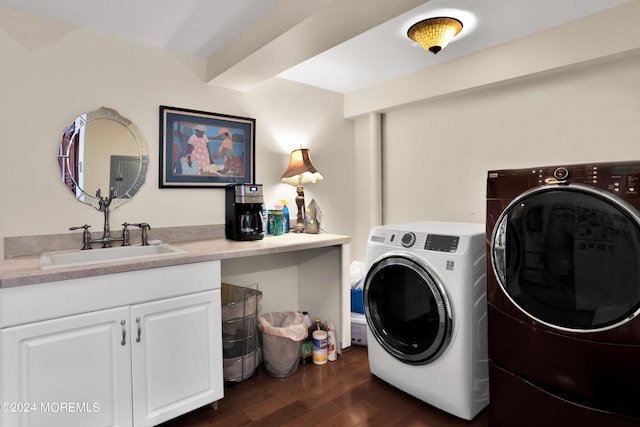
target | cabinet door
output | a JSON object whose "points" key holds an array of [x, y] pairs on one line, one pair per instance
{"points": [[176, 354], [67, 372]]}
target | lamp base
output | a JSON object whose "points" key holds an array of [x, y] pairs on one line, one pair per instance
{"points": [[299, 225]]}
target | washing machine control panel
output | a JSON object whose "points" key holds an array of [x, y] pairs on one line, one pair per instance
{"points": [[429, 242], [441, 243]]}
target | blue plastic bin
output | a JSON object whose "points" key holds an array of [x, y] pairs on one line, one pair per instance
{"points": [[357, 301]]}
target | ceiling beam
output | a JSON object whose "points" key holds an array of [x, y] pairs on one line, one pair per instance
{"points": [[292, 32]]}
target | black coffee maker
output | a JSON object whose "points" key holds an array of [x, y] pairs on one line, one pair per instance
{"points": [[244, 212]]}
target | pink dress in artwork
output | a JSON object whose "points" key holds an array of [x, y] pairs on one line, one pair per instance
{"points": [[200, 150]]}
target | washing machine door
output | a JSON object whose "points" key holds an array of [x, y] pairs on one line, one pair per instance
{"points": [[407, 309], [568, 256]]}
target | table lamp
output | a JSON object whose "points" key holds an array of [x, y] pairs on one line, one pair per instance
{"points": [[300, 171]]}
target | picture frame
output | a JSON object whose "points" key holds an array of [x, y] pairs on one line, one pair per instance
{"points": [[199, 149]]}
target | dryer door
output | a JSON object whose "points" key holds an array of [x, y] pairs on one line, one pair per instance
{"points": [[407, 309], [568, 256]]}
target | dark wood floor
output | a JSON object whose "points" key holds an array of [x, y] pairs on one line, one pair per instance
{"points": [[340, 393]]}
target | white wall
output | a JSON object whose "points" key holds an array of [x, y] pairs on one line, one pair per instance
{"points": [[436, 155], [52, 72], [293, 115]]}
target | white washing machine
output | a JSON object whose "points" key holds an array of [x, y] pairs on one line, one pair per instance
{"points": [[426, 309]]}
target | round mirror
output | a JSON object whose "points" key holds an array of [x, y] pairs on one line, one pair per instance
{"points": [[100, 151]]}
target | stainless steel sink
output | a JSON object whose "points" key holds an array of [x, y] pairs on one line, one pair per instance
{"points": [[74, 258]]}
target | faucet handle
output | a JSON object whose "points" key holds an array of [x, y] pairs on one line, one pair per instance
{"points": [[144, 227], [86, 227], [86, 237], [125, 234]]}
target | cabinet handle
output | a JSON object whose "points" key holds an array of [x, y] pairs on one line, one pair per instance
{"points": [[124, 333], [139, 329]]}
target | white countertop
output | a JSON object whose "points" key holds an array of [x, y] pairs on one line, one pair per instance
{"points": [[25, 270]]}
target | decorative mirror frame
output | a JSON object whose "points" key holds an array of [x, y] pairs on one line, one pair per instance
{"points": [[65, 156]]}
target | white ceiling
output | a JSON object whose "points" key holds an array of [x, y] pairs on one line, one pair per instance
{"points": [[339, 45]]}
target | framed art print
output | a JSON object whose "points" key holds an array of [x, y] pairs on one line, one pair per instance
{"points": [[201, 149]]}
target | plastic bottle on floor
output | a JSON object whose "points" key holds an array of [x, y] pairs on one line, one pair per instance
{"points": [[332, 353], [306, 346]]}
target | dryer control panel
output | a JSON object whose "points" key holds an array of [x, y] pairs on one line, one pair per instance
{"points": [[620, 178]]}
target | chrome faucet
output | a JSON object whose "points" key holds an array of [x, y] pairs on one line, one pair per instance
{"points": [[107, 239]]}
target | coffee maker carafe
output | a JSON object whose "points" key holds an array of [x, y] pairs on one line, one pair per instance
{"points": [[244, 212]]}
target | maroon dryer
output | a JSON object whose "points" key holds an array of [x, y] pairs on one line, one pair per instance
{"points": [[563, 279]]}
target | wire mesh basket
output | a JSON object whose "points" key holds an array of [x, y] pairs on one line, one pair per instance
{"points": [[240, 347]]}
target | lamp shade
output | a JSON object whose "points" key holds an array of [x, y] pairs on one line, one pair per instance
{"points": [[301, 169], [434, 34]]}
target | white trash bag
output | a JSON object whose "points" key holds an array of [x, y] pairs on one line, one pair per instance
{"points": [[287, 324], [282, 332]]}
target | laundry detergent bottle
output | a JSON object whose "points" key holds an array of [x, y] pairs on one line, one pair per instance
{"points": [[285, 214]]}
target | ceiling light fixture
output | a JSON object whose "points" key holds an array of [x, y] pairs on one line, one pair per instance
{"points": [[434, 34]]}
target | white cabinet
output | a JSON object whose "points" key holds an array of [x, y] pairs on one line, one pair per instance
{"points": [[139, 364], [176, 352], [77, 360]]}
